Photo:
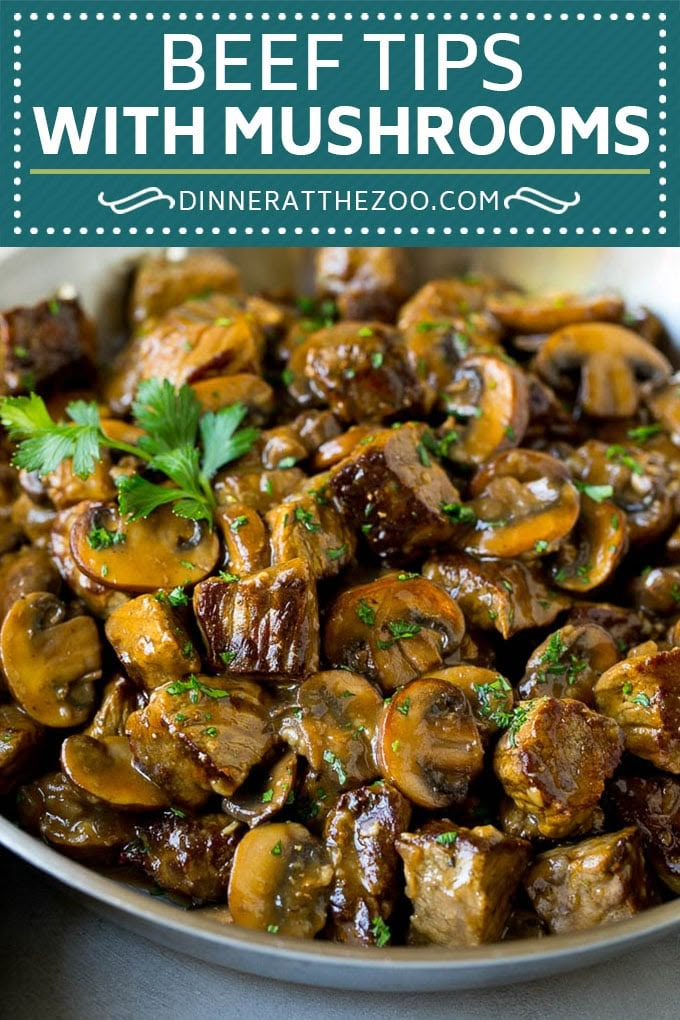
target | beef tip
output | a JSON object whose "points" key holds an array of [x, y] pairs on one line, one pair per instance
{"points": [[358, 369], [315, 428], [54, 808], [64, 488], [188, 856], [554, 760], [244, 387], [360, 837], [151, 641], [461, 882], [223, 724], [366, 283], [248, 481], [625, 626], [332, 725], [569, 663], [303, 527], [447, 299], [652, 803], [393, 629], [44, 345], [598, 881], [496, 594], [20, 740], [280, 881], [160, 753], [394, 491], [266, 624], [245, 538], [517, 822], [22, 572], [161, 283], [642, 693], [203, 338]]}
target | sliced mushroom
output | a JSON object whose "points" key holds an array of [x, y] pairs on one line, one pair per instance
{"points": [[151, 641], [394, 490], [244, 388], [332, 726], [266, 791], [520, 498], [460, 881], [104, 769], [455, 296], [266, 624], [544, 313], [612, 361], [358, 369], [248, 482], [187, 856], [245, 538], [664, 404], [50, 661], [160, 551], [336, 449], [162, 283], [554, 760], [311, 528], [657, 591], [625, 626], [393, 629], [589, 556], [490, 695], [652, 803], [639, 482], [502, 595], [488, 401], [33, 520], [120, 698], [20, 740], [569, 663], [642, 693], [428, 743], [366, 283], [99, 600], [280, 881], [68, 819], [598, 881], [360, 836]]}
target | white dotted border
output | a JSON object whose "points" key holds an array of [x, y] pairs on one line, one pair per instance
{"points": [[282, 16]]}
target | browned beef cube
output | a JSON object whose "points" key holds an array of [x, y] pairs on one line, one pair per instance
{"points": [[161, 284], [45, 344], [653, 804], [367, 283], [316, 532]]}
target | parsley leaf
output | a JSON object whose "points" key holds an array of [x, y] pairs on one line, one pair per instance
{"points": [[222, 442]]}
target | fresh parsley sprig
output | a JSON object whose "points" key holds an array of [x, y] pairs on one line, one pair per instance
{"points": [[173, 428]]}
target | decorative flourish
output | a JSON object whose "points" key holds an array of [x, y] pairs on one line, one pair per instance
{"points": [[130, 203], [549, 203]]}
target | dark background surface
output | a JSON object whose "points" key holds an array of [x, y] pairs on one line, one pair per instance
{"points": [[62, 961]]}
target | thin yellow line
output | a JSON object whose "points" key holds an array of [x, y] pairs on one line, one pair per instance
{"points": [[324, 171]]}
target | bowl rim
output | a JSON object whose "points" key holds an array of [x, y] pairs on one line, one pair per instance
{"points": [[136, 903]]}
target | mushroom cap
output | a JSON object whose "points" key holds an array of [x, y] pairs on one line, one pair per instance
{"points": [[103, 768]]}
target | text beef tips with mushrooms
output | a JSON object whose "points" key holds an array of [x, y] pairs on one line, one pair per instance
{"points": [[352, 615]]}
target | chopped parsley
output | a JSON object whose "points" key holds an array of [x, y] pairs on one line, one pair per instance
{"points": [[401, 630], [227, 577], [238, 522], [596, 492], [365, 613], [102, 538], [178, 597], [267, 796], [380, 931], [177, 812], [458, 513], [541, 546], [276, 850], [195, 688], [227, 657], [405, 706], [377, 359], [287, 377], [643, 432], [306, 518], [335, 554], [408, 576], [554, 664], [336, 765], [423, 455], [621, 456], [518, 717], [492, 699], [286, 462], [273, 929], [446, 838], [510, 433], [365, 331], [210, 731]]}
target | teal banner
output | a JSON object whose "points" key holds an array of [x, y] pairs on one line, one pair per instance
{"points": [[315, 122]]}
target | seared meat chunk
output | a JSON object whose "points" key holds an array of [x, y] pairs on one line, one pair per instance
{"points": [[394, 491], [393, 629], [598, 881], [332, 726], [280, 881], [64, 488], [266, 624], [223, 726], [626, 627], [197, 340], [358, 369], [505, 595], [460, 881], [554, 761], [151, 641], [447, 299], [43, 345], [20, 739], [304, 527], [569, 663], [367, 283], [642, 693], [428, 743], [243, 387], [22, 572], [360, 836], [188, 856], [652, 803], [249, 482], [161, 283], [70, 820]]}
